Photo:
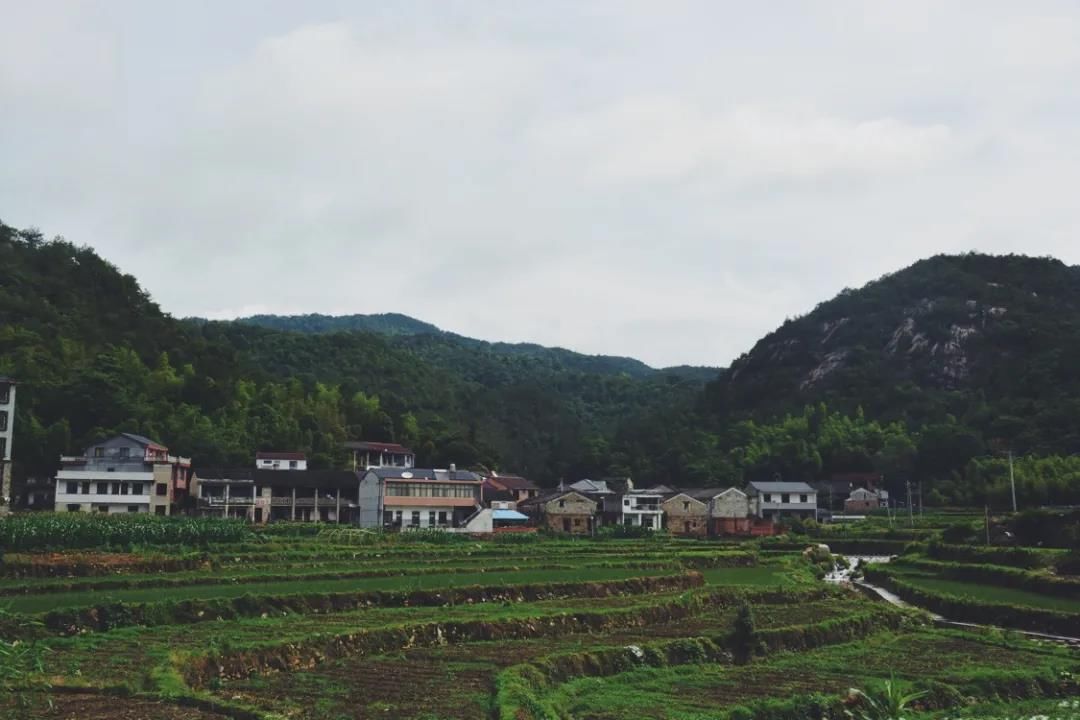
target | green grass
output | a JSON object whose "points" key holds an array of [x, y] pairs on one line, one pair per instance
{"points": [[34, 604], [989, 593]]}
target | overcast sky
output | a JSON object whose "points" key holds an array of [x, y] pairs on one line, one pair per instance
{"points": [[664, 180]]}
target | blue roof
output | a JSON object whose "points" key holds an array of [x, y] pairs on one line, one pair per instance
{"points": [[507, 515]]}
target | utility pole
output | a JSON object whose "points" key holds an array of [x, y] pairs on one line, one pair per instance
{"points": [[920, 500], [986, 510], [911, 514], [1012, 480]]}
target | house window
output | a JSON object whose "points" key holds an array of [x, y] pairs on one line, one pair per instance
{"points": [[5, 394], [136, 489], [123, 488], [562, 503], [3, 448], [103, 488], [73, 488], [388, 517], [292, 464], [125, 452], [159, 510], [133, 508], [626, 502], [99, 452], [442, 517], [74, 508], [415, 518], [785, 498], [161, 489], [686, 506], [85, 488], [804, 499], [103, 508], [3, 419], [431, 518], [768, 497]]}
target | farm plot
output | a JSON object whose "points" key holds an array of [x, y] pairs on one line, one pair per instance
{"points": [[987, 592], [706, 691]]}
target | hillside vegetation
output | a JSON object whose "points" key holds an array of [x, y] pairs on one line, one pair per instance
{"points": [[926, 375]]}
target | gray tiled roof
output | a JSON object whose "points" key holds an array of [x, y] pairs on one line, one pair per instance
{"points": [[780, 487], [396, 473]]}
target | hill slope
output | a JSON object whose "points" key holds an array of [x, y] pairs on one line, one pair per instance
{"points": [[993, 341], [446, 348], [94, 355]]}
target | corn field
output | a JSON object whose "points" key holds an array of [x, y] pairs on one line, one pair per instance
{"points": [[42, 531]]}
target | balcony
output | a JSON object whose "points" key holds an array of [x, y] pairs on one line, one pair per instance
{"points": [[237, 500], [73, 459]]}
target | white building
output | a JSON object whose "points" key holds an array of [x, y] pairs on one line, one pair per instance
{"points": [[125, 474], [778, 500], [638, 508], [368, 455], [7, 426], [280, 461]]}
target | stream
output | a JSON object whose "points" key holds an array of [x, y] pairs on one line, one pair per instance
{"points": [[846, 575]]}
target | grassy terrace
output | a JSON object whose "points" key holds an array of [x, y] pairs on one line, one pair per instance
{"points": [[53, 601], [987, 592], [315, 626]]}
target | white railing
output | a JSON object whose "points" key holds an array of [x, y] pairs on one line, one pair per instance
{"points": [[73, 459]]}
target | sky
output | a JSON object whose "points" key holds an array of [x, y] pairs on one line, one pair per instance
{"points": [[663, 180]]}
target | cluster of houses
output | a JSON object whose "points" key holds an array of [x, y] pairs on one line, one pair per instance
{"points": [[384, 489]]}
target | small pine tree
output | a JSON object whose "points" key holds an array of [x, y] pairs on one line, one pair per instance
{"points": [[744, 635]]}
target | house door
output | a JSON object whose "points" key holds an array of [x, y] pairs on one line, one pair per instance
{"points": [[566, 524], [686, 527], [258, 515]]}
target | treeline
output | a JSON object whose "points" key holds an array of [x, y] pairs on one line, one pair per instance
{"points": [[95, 355]]}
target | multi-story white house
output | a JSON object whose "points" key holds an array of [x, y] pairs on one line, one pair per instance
{"points": [[368, 455], [7, 426], [779, 500], [418, 498], [127, 473], [637, 508]]}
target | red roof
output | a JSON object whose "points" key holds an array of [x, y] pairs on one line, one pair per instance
{"points": [[511, 482], [280, 456]]}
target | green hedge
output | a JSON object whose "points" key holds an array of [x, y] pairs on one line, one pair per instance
{"points": [[1027, 558], [1001, 575], [42, 531]]}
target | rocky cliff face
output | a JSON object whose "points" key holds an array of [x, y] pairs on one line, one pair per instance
{"points": [[947, 331]]}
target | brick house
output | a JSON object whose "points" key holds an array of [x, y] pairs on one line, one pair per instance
{"points": [[521, 488], [862, 500], [563, 511]]}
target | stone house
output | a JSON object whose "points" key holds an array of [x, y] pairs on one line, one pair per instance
{"points": [[563, 511], [686, 515], [862, 500]]}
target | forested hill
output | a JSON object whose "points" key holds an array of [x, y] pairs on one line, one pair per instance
{"points": [[992, 341], [94, 354], [453, 351]]}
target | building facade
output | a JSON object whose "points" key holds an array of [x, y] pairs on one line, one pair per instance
{"points": [[782, 500], [127, 473], [403, 498], [260, 495], [686, 515], [638, 508], [280, 461], [368, 455], [862, 500], [7, 431], [565, 511]]}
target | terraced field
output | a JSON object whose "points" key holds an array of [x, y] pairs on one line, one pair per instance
{"points": [[336, 626]]}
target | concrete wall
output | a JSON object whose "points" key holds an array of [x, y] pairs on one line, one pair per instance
{"points": [[369, 514]]}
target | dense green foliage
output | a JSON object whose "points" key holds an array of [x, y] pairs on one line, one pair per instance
{"points": [[95, 355]]}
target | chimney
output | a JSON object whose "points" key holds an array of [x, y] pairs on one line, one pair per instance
{"points": [[453, 468]]}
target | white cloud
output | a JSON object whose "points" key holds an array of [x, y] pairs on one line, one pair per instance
{"points": [[666, 182]]}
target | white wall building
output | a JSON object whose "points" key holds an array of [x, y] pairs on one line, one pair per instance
{"points": [[7, 427], [125, 474], [280, 461]]}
